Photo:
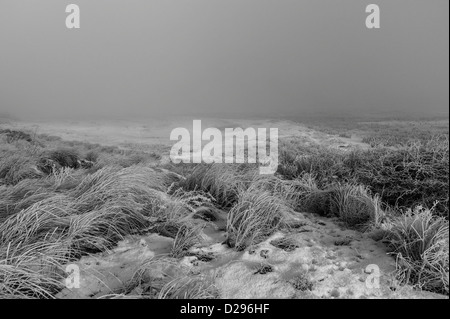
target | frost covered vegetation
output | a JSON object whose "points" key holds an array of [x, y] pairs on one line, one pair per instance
{"points": [[63, 200]]}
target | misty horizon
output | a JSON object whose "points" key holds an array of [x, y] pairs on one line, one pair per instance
{"points": [[260, 58]]}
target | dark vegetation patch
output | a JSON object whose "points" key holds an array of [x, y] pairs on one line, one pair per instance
{"points": [[296, 224], [411, 175], [53, 161], [301, 282], [353, 204], [13, 136], [202, 256], [297, 278], [263, 269], [343, 242], [223, 182], [286, 243]]}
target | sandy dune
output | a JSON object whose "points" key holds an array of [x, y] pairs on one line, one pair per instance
{"points": [[336, 262]]}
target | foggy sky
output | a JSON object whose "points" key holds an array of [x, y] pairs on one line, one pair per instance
{"points": [[283, 57]]}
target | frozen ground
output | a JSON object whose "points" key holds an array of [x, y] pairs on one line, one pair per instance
{"points": [[333, 261], [323, 260]]}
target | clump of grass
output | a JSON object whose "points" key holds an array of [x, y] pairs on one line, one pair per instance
{"points": [[256, 215], [186, 237], [295, 160], [22, 195], [92, 156], [101, 210], [421, 244], [353, 205], [17, 166], [14, 198], [192, 200], [65, 157], [135, 187], [299, 189], [175, 209], [56, 220], [223, 182], [30, 273], [292, 192]]}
